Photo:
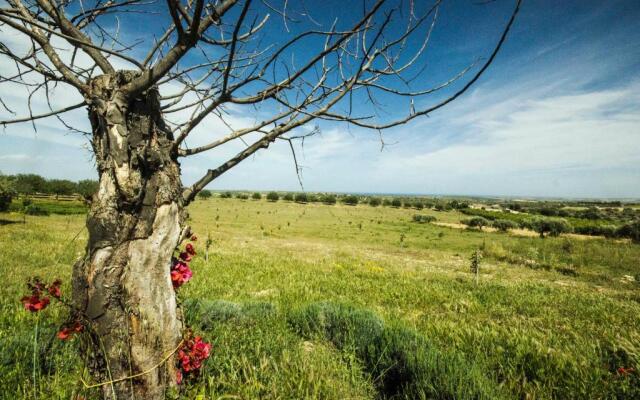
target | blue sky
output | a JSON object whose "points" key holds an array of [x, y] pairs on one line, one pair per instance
{"points": [[557, 114]]}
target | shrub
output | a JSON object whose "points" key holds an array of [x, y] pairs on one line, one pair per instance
{"points": [[288, 197], [256, 196], [226, 195], [374, 202], [301, 198], [551, 226], [204, 194], [402, 363], [312, 198], [476, 222], [35, 210], [631, 231], [273, 196], [87, 188], [386, 202], [504, 225], [350, 200], [242, 196], [7, 191], [328, 199], [418, 205], [396, 203], [424, 218]]}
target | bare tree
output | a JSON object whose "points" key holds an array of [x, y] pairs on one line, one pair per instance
{"points": [[213, 56]]}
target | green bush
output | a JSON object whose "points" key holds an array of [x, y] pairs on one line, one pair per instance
{"points": [[386, 203], [87, 188], [256, 196], [204, 194], [504, 225], [329, 199], [242, 196], [34, 209], [288, 197], [301, 198], [226, 195], [396, 203], [374, 202], [550, 226], [7, 191], [476, 222], [424, 218], [630, 231], [350, 200], [273, 196], [402, 363], [418, 205]]}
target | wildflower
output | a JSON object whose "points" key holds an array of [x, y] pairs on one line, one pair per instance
{"points": [[67, 331], [35, 303], [194, 238], [625, 371], [184, 256], [180, 273], [191, 355], [178, 377], [190, 249], [54, 289]]}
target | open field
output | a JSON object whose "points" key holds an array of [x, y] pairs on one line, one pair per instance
{"points": [[321, 301]]}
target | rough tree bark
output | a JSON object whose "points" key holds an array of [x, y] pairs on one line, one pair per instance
{"points": [[136, 221]]}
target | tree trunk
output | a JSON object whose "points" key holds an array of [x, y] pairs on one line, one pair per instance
{"points": [[136, 220]]}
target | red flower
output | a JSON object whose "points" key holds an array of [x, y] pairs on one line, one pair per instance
{"points": [[194, 237], [184, 256], [625, 371], [67, 331], [54, 289], [191, 355], [180, 273], [178, 377], [35, 303], [189, 249]]}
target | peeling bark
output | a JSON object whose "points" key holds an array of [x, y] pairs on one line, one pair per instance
{"points": [[136, 220]]}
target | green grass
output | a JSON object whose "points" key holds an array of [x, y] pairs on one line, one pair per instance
{"points": [[317, 301]]}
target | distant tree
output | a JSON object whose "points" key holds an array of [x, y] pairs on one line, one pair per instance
{"points": [[386, 203], [30, 183], [256, 196], [418, 205], [329, 199], [242, 196], [301, 198], [397, 203], [62, 187], [424, 218], [550, 226], [312, 198], [273, 196], [7, 192], [87, 187], [205, 194], [350, 200], [226, 195], [374, 202], [476, 222], [504, 225], [288, 197]]}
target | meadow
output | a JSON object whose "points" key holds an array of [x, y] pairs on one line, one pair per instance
{"points": [[356, 302]]}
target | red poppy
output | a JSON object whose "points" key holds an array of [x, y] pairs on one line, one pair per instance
{"points": [[69, 330], [190, 249], [180, 273], [178, 377], [192, 353], [54, 289], [35, 303], [184, 256]]}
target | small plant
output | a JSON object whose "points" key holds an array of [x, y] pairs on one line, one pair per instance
{"points": [[475, 264], [256, 196], [424, 218]]}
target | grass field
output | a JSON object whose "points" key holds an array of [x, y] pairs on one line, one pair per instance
{"points": [[342, 302]]}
